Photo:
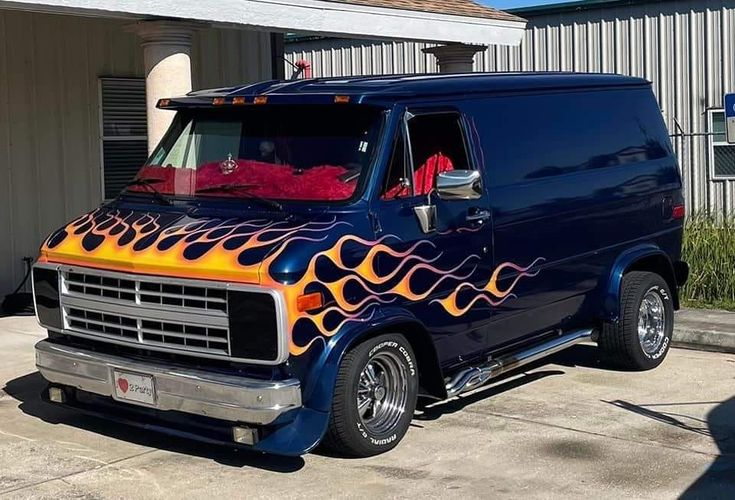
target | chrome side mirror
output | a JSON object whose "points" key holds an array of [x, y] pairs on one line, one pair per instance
{"points": [[459, 185]]}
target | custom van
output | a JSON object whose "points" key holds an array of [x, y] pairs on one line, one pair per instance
{"points": [[299, 262]]}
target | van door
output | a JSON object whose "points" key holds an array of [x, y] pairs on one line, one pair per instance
{"points": [[438, 273]]}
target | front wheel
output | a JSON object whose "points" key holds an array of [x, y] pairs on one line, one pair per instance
{"points": [[641, 339], [374, 398]]}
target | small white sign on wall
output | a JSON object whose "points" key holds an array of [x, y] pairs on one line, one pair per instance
{"points": [[730, 117]]}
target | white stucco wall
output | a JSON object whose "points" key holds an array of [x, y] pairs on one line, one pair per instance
{"points": [[320, 17], [50, 161]]}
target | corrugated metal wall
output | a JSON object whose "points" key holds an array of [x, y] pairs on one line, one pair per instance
{"points": [[49, 114], [686, 48], [341, 57]]}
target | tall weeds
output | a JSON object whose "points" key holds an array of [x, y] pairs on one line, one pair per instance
{"points": [[709, 248]]}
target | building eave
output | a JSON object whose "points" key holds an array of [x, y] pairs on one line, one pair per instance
{"points": [[316, 17]]}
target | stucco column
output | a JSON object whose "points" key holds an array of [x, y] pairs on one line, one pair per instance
{"points": [[455, 57], [167, 58]]}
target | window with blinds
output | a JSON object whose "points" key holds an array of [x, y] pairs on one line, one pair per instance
{"points": [[722, 153], [124, 129]]}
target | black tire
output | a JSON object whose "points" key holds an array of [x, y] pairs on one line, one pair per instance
{"points": [[348, 433], [620, 341]]}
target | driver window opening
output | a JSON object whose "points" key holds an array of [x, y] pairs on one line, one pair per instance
{"points": [[437, 145]]}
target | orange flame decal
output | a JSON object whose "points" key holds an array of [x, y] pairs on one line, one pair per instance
{"points": [[366, 277], [236, 251], [490, 294]]}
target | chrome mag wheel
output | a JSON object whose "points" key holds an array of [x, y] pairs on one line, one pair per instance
{"points": [[382, 393], [651, 321]]}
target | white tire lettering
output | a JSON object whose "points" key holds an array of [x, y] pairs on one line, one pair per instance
{"points": [[362, 431], [661, 351], [388, 343], [383, 442], [403, 351]]}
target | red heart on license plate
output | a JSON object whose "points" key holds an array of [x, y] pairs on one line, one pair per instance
{"points": [[122, 384]]}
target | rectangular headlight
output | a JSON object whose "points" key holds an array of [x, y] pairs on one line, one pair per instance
{"points": [[46, 295], [253, 325]]}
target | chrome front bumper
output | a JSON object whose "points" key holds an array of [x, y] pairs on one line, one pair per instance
{"points": [[198, 392]]}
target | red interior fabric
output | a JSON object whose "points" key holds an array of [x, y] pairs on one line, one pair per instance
{"points": [[173, 180], [424, 177], [281, 182]]}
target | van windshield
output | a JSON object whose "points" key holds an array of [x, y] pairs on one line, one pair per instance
{"points": [[307, 153]]}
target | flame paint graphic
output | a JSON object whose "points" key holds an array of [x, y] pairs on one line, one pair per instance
{"points": [[490, 293], [348, 273], [213, 249], [378, 289]]}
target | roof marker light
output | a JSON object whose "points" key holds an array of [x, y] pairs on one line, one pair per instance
{"points": [[218, 101], [341, 99], [261, 99], [238, 101]]}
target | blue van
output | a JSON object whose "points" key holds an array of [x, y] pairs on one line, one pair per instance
{"points": [[298, 262]]}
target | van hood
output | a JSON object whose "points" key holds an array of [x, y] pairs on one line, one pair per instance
{"points": [[249, 249]]}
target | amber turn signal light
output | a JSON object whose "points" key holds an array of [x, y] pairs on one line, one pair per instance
{"points": [[238, 101], [261, 99], [218, 101], [162, 103], [309, 302], [341, 99]]}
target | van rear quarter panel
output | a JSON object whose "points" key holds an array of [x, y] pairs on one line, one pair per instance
{"points": [[577, 178]]}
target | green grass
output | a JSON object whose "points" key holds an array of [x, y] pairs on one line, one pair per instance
{"points": [[709, 248]]}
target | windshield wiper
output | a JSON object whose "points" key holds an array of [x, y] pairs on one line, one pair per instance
{"points": [[149, 182], [230, 188]]}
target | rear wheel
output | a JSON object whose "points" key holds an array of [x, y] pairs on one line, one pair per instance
{"points": [[641, 339], [374, 398]]}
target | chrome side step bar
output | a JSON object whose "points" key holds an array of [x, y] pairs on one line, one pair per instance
{"points": [[473, 377]]}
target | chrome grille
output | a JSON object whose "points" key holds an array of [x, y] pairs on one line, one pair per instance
{"points": [[145, 292], [177, 315]]}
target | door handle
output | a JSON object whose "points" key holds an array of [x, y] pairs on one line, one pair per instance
{"points": [[478, 215]]}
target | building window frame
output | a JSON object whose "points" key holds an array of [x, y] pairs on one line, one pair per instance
{"points": [[714, 143], [103, 136]]}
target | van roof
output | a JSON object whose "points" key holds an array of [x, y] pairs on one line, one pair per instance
{"points": [[391, 87]]}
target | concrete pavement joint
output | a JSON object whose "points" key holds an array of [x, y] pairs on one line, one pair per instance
{"points": [[654, 444], [63, 477], [18, 436]]}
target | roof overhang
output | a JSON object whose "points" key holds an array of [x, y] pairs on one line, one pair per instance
{"points": [[317, 17]]}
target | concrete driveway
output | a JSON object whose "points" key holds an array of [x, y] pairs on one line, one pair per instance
{"points": [[568, 427]]}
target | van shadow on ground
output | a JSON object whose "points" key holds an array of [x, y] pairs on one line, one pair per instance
{"points": [[721, 421], [27, 390], [718, 481], [581, 355]]}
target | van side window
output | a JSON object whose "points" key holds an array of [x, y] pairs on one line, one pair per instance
{"points": [[547, 135], [437, 144]]}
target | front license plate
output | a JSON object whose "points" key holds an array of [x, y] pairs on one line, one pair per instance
{"points": [[135, 387]]}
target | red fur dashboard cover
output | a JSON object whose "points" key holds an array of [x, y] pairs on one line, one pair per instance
{"points": [[264, 179]]}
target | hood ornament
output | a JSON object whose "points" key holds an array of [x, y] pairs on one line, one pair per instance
{"points": [[228, 166]]}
